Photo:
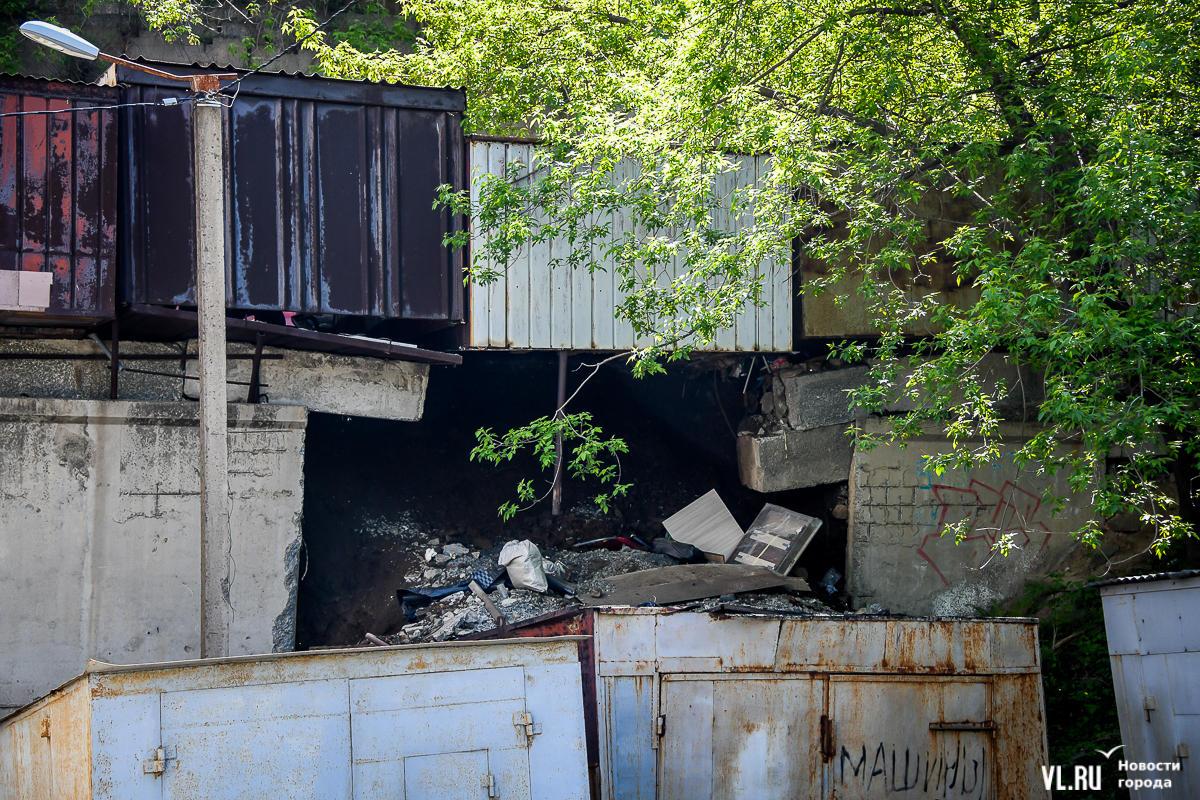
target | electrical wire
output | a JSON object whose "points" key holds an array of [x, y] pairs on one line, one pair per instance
{"points": [[287, 49], [170, 101]]}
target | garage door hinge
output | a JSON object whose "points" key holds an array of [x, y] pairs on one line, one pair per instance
{"points": [[489, 783], [827, 752], [661, 726], [158, 764], [525, 724]]}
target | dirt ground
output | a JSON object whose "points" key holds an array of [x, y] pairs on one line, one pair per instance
{"points": [[376, 492]]}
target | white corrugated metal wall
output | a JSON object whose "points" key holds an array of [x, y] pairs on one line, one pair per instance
{"points": [[535, 307]]}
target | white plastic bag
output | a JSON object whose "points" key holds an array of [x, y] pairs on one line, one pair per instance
{"points": [[523, 561]]}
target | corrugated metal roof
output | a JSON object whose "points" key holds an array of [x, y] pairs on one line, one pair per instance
{"points": [[303, 86], [1157, 576]]}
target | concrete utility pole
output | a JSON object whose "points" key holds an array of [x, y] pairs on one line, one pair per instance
{"points": [[215, 544], [209, 145]]}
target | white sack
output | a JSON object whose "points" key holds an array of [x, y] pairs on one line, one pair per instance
{"points": [[523, 561]]}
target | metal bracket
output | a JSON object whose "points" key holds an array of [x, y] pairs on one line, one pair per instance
{"points": [[489, 783], [986, 725], [661, 725], [526, 726], [158, 764]]}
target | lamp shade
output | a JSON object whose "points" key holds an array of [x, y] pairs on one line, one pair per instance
{"points": [[60, 39]]}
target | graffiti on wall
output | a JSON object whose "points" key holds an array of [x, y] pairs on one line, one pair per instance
{"points": [[992, 513], [962, 773]]}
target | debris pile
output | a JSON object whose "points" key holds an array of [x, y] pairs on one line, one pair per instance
{"points": [[462, 591]]}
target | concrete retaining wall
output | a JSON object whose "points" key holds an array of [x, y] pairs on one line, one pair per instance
{"points": [[895, 555], [100, 535]]}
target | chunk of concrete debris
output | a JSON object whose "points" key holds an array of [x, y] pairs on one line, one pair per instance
{"points": [[455, 550], [776, 539], [523, 560], [707, 524], [441, 559], [429, 554]]}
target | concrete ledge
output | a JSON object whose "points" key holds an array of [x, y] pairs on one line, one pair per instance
{"points": [[355, 386], [128, 412]]}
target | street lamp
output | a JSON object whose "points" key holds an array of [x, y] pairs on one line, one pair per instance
{"points": [[208, 145], [64, 41]]}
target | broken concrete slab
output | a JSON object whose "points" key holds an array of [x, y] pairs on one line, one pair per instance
{"points": [[805, 399], [786, 459], [818, 399], [100, 535], [352, 385], [707, 524]]}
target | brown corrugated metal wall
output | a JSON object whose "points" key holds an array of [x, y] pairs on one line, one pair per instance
{"points": [[331, 187], [58, 193]]}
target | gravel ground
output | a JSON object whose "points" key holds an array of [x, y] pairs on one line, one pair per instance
{"points": [[463, 613]]}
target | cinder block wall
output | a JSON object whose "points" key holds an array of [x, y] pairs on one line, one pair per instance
{"points": [[896, 555], [100, 535]]}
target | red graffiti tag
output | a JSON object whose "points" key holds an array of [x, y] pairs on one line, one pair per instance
{"points": [[993, 513]]}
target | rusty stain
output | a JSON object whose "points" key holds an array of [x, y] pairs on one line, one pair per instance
{"points": [[58, 194]]}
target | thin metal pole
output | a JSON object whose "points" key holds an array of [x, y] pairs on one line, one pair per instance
{"points": [[215, 544], [556, 496]]}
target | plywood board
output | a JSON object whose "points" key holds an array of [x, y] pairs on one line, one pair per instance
{"points": [[692, 582], [707, 524]]}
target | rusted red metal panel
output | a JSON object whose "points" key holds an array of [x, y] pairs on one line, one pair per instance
{"points": [[331, 186], [58, 194]]}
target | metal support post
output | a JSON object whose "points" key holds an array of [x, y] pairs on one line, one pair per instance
{"points": [[559, 465], [215, 544]]}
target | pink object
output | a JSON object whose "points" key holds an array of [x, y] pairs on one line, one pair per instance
{"points": [[287, 318]]}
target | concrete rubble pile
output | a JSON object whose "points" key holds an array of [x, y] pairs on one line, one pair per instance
{"points": [[450, 597]]}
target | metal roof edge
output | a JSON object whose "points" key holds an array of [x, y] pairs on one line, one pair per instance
{"points": [[61, 85], [1155, 576], [99, 667], [175, 324], [302, 86]]}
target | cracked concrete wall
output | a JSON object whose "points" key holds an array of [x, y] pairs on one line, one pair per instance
{"points": [[100, 535], [355, 386], [896, 556]]}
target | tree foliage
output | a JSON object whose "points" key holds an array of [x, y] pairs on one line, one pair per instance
{"points": [[1052, 142]]}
